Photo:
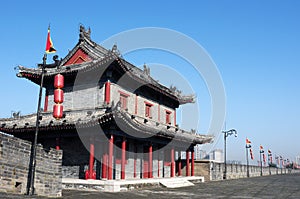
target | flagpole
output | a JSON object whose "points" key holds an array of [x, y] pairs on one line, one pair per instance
{"points": [[30, 183]]}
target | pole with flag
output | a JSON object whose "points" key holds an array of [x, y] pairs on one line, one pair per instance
{"points": [[49, 45], [270, 156], [277, 163], [251, 154], [264, 159], [261, 151], [280, 163], [30, 183], [269, 160], [248, 146]]}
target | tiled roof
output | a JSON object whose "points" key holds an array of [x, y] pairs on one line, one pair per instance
{"points": [[102, 57], [89, 118]]}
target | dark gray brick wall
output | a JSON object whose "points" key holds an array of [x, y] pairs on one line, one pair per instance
{"points": [[85, 96], [14, 164]]}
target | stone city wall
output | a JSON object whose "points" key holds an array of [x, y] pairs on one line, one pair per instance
{"points": [[215, 171], [14, 165]]}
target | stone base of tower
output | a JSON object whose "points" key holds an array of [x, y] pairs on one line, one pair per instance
{"points": [[123, 185]]}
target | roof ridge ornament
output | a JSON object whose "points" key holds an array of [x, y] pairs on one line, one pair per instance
{"points": [[83, 33], [115, 50], [146, 69]]}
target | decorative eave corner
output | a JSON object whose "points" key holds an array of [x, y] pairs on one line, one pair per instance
{"points": [[183, 99]]}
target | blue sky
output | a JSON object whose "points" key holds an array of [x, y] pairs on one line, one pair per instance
{"points": [[255, 45]]}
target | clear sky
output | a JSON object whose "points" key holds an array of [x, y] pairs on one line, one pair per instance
{"points": [[255, 45]]}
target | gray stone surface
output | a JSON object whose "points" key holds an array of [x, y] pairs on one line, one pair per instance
{"points": [[276, 186]]}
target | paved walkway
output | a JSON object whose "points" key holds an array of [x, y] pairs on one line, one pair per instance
{"points": [[277, 186]]}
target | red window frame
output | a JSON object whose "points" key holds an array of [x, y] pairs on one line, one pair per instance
{"points": [[124, 100], [148, 112]]}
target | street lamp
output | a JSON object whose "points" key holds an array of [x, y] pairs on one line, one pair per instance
{"points": [[226, 134]]}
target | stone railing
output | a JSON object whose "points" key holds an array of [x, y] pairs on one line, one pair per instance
{"points": [[215, 171]]}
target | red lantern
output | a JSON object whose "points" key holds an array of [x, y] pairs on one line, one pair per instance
{"points": [[58, 81], [57, 111], [58, 96]]}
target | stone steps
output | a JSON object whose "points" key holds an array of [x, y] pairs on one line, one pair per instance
{"points": [[176, 183]]}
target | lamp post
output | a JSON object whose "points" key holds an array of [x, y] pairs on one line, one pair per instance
{"points": [[226, 134]]}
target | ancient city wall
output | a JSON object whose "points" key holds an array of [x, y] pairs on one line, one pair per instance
{"points": [[215, 171], [14, 165]]}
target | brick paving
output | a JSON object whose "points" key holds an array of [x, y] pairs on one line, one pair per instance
{"points": [[277, 186]]}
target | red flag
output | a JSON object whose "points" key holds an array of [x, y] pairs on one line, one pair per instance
{"points": [[261, 148], [248, 141], [49, 45], [251, 154]]}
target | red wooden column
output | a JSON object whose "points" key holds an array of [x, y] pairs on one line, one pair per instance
{"points": [[92, 154], [46, 101], [57, 144], [107, 92], [187, 167], [104, 166], [175, 117], [134, 162], [179, 163], [110, 157], [150, 175], [172, 163], [192, 163], [158, 173], [104, 160], [123, 158]]}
